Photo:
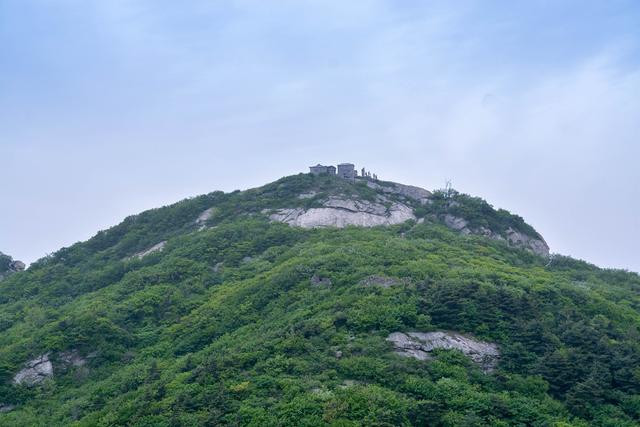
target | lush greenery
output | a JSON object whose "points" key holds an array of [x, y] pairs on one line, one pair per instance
{"points": [[5, 262], [224, 326], [477, 212]]}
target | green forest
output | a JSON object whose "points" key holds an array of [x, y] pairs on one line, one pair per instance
{"points": [[225, 325]]}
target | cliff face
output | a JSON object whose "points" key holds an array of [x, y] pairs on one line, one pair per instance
{"points": [[9, 266]]}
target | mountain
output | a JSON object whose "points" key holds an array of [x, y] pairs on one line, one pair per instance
{"points": [[316, 300]]}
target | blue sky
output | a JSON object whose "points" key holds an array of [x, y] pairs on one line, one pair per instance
{"points": [[111, 107]]}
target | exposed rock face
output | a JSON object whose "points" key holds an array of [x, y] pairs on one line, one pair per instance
{"points": [[9, 266], [155, 248], [39, 369], [380, 281], [35, 371], [309, 195], [420, 344], [338, 212], [217, 267], [536, 245], [17, 266], [456, 223], [6, 408], [202, 219], [415, 193], [72, 358]]}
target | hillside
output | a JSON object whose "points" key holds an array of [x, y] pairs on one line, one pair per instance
{"points": [[317, 301]]}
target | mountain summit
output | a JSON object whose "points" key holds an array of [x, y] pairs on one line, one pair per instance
{"points": [[329, 201], [329, 298]]}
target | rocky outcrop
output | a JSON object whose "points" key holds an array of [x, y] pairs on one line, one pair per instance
{"points": [[202, 219], [158, 247], [456, 223], [309, 195], [380, 281], [35, 371], [341, 212], [6, 407], [419, 345], [16, 266], [9, 266], [73, 358], [416, 193], [515, 238], [535, 245]]}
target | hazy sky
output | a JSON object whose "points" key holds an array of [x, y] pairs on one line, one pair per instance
{"points": [[111, 107]]}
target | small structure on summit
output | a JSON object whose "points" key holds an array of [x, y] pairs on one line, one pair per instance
{"points": [[347, 171], [344, 171], [322, 170]]}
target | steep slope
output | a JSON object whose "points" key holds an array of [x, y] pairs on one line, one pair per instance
{"points": [[212, 311]]}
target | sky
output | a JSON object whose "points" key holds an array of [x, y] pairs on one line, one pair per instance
{"points": [[112, 107]]}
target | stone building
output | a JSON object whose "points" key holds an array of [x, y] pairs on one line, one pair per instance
{"points": [[321, 170], [347, 171]]}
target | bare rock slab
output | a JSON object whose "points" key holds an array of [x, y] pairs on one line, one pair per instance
{"points": [[205, 216], [416, 193], [337, 212], [35, 371], [155, 248], [419, 345], [380, 281]]}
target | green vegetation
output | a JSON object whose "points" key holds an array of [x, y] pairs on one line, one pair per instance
{"points": [[224, 326], [5, 262], [477, 212]]}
